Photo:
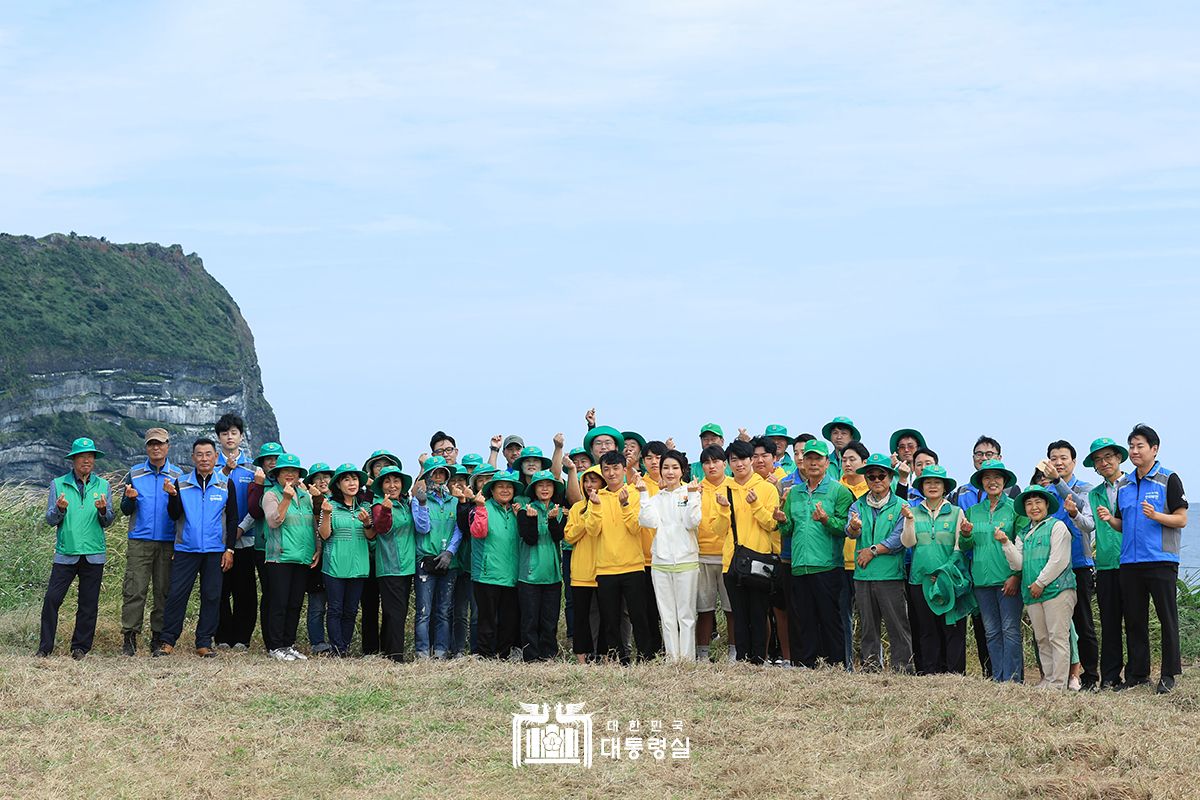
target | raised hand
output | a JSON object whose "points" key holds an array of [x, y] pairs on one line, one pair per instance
{"points": [[497, 440], [289, 491], [779, 515], [260, 477], [906, 512], [130, 492], [530, 511], [421, 459], [169, 487], [722, 500], [1103, 513], [751, 496], [855, 524], [387, 503], [102, 502], [1070, 506], [965, 526], [640, 485], [623, 495], [904, 469], [326, 506], [479, 499], [694, 486], [555, 511], [559, 441], [670, 442], [364, 517], [743, 435], [819, 514], [457, 491], [590, 417], [593, 497], [999, 535]]}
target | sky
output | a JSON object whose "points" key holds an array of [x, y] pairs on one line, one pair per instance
{"points": [[489, 217]]}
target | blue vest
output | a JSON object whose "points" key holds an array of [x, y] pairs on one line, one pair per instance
{"points": [[1079, 554], [150, 520], [1143, 539], [241, 478], [201, 529]]}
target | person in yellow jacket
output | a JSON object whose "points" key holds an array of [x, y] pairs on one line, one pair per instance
{"points": [[753, 502], [587, 634], [620, 563], [710, 536]]}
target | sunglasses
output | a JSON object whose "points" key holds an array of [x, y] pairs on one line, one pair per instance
{"points": [[876, 476]]}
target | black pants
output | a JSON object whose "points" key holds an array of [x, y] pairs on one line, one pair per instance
{"points": [[653, 623], [286, 583], [1085, 628], [943, 647], [539, 604], [1112, 636], [394, 593], [370, 613], [585, 639], [629, 587], [750, 610], [61, 577], [985, 659], [1141, 583], [815, 618], [498, 615], [239, 606]]}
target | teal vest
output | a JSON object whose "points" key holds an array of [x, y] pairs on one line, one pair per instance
{"points": [[494, 558], [346, 553], [1035, 554], [441, 527], [935, 540], [1108, 540], [541, 563], [396, 548], [989, 567], [80, 533], [293, 542], [877, 527]]}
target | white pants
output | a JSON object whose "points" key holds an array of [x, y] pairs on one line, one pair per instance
{"points": [[1051, 620], [675, 593]]}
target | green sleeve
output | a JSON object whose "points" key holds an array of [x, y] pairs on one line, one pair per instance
{"points": [[835, 523], [788, 525]]}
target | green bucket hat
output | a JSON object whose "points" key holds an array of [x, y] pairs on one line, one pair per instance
{"points": [[1051, 498], [544, 475], [434, 463], [266, 451], [712, 427], [578, 451], [1099, 445], [603, 430], [935, 471], [637, 437], [894, 442], [877, 461], [378, 454], [472, 460], [780, 431], [993, 465], [842, 422], [502, 476], [377, 484], [348, 469], [461, 469], [815, 446], [483, 471], [317, 468], [287, 461], [84, 445], [950, 582], [532, 452]]}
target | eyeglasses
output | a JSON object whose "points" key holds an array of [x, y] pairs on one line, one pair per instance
{"points": [[444, 451], [986, 454], [876, 476]]}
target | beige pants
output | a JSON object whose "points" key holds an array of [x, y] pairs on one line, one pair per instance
{"points": [[1051, 622]]}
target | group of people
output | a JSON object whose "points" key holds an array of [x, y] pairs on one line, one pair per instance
{"points": [[792, 538]]}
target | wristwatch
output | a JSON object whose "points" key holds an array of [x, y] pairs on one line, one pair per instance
{"points": [[874, 549]]}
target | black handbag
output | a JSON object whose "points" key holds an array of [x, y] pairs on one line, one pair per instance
{"points": [[759, 572]]}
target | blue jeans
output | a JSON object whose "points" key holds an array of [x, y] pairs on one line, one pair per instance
{"points": [[184, 568], [463, 616], [316, 622], [435, 599], [343, 596], [1002, 621]]}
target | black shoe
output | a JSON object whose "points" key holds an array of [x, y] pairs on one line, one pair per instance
{"points": [[1165, 684], [78, 654], [39, 653], [1088, 682], [129, 647], [1110, 685], [1121, 687], [155, 643]]}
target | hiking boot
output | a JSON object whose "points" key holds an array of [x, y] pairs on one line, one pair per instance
{"points": [[206, 652], [1165, 684], [40, 653], [78, 654], [163, 650], [129, 646]]}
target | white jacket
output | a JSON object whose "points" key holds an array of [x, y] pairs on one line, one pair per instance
{"points": [[674, 516]]}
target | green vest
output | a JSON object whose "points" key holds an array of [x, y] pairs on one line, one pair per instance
{"points": [[989, 567], [1035, 554], [396, 548], [494, 558], [346, 554], [541, 563], [441, 527], [877, 526], [80, 533], [1108, 540], [935, 540], [293, 542]]}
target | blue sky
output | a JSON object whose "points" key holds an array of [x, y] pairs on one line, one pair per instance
{"points": [[487, 217]]}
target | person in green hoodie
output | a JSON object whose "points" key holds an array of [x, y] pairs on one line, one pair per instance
{"points": [[398, 520], [540, 525], [997, 586], [346, 560], [80, 508], [494, 556], [290, 550]]}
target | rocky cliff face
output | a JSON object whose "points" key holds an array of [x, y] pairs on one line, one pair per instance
{"points": [[108, 340]]}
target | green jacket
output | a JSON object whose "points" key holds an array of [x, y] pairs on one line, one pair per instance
{"points": [[935, 539], [1035, 552], [541, 563], [1108, 540], [396, 548], [80, 533], [877, 526], [346, 554], [494, 557], [988, 565], [293, 542], [816, 546]]}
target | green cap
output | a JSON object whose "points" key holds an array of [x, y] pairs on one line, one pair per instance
{"points": [[317, 468], [348, 469], [84, 445], [532, 452], [544, 475], [1038, 491], [502, 476], [267, 450], [815, 446], [894, 442], [935, 471], [603, 430], [433, 463], [992, 465], [472, 460], [1099, 445], [384, 454], [842, 422], [712, 427], [377, 484], [780, 431], [637, 437], [287, 461], [877, 461]]}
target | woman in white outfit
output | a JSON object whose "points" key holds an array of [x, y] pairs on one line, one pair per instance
{"points": [[674, 515]]}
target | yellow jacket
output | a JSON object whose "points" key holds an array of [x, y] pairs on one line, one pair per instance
{"points": [[756, 526], [647, 533], [583, 556], [714, 518], [616, 532]]}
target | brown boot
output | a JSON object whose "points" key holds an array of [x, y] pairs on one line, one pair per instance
{"points": [[163, 650], [206, 652]]}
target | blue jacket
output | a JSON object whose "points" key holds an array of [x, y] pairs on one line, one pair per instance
{"points": [[201, 528], [147, 512], [1142, 539]]}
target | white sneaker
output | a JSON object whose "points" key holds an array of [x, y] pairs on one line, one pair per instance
{"points": [[1074, 684], [297, 655], [282, 655]]}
